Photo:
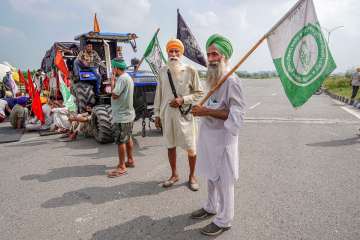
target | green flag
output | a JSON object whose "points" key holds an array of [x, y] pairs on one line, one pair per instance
{"points": [[300, 52], [68, 98], [154, 56]]}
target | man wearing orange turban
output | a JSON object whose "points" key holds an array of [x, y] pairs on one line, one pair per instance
{"points": [[172, 109]]}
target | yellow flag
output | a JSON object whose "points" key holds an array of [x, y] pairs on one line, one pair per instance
{"points": [[96, 24]]}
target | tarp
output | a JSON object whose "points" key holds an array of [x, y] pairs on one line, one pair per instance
{"points": [[69, 49]]}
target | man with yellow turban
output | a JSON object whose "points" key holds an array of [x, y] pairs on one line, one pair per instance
{"points": [[177, 90], [220, 120]]}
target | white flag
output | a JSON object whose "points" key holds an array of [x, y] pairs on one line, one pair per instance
{"points": [[300, 52]]}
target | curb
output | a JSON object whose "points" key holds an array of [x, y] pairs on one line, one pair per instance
{"points": [[354, 103]]}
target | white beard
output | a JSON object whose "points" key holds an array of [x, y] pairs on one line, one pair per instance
{"points": [[175, 68], [214, 73]]}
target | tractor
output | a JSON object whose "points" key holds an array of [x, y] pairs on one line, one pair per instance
{"points": [[87, 88]]}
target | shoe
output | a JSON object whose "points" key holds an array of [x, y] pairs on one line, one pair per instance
{"points": [[201, 214], [170, 182], [213, 230], [193, 186]]}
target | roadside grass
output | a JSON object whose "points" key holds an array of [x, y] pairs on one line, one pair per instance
{"points": [[340, 86]]}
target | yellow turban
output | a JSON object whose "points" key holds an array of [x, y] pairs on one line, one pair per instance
{"points": [[43, 100], [175, 44]]}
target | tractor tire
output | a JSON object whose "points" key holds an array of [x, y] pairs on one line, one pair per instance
{"points": [[101, 122], [84, 94]]}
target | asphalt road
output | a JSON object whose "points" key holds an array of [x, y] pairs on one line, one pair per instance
{"points": [[299, 179]]}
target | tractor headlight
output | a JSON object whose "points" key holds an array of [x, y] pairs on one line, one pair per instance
{"points": [[85, 75]]}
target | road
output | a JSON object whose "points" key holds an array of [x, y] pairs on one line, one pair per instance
{"points": [[299, 179]]}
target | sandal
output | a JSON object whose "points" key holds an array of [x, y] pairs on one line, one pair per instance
{"points": [[170, 182], [129, 165], [116, 173]]}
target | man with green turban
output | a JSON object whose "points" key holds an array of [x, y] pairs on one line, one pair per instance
{"points": [[220, 120], [222, 44], [123, 114]]}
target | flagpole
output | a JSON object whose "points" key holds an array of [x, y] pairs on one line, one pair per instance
{"points": [[143, 58], [223, 79]]}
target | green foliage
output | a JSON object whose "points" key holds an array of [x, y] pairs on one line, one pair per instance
{"points": [[257, 75], [339, 85]]}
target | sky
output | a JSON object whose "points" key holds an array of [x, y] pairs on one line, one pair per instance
{"points": [[29, 27]]}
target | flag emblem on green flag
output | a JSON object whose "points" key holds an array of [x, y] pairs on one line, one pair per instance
{"points": [[300, 52], [154, 56]]}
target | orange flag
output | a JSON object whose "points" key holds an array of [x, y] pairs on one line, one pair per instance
{"points": [[60, 64], [36, 107], [96, 24]]}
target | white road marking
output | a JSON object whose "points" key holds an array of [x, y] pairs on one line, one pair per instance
{"points": [[300, 120], [353, 111], [254, 106], [274, 94]]}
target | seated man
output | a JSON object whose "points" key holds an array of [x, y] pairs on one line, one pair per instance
{"points": [[61, 117], [89, 58], [35, 124], [18, 115], [4, 107], [81, 124]]}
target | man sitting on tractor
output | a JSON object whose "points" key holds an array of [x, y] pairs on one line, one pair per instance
{"points": [[89, 59]]}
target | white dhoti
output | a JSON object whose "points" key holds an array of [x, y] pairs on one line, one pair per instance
{"points": [[61, 118]]}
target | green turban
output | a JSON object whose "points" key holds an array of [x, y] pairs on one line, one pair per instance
{"points": [[222, 44], [117, 63]]}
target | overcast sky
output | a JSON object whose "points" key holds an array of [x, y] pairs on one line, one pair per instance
{"points": [[29, 27]]}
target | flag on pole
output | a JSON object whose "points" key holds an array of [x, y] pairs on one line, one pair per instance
{"points": [[23, 81], [30, 85], [192, 49], [96, 24], [68, 98], [154, 56], [300, 52], [36, 107], [60, 64]]}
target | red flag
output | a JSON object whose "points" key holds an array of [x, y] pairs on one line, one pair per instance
{"points": [[60, 64], [37, 108], [23, 81], [31, 89], [46, 83]]}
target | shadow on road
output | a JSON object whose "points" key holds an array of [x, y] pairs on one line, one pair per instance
{"points": [[337, 143], [68, 172], [99, 195], [145, 227]]}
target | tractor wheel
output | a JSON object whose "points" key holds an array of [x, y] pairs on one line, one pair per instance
{"points": [[84, 94], [101, 122]]}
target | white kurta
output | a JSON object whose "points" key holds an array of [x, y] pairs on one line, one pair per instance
{"points": [[178, 131], [218, 140]]}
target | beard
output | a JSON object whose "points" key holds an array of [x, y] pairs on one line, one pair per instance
{"points": [[215, 71], [174, 65]]}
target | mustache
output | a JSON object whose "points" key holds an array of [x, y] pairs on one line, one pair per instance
{"points": [[214, 64], [173, 58]]}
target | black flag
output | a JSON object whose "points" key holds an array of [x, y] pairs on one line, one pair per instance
{"points": [[192, 49]]}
